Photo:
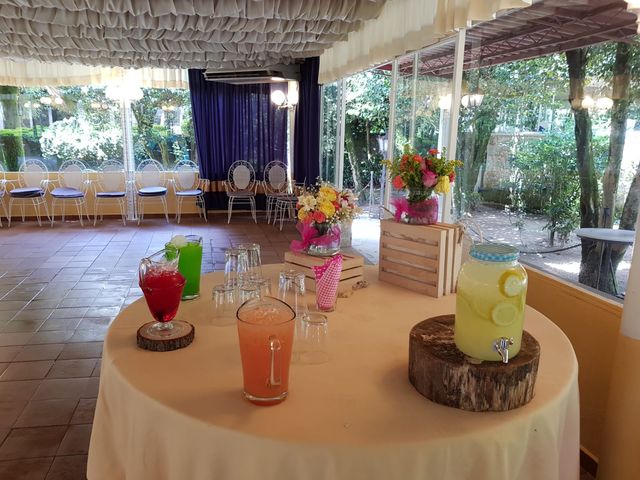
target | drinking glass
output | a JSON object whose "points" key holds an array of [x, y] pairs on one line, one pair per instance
{"points": [[249, 290], [254, 263], [225, 305], [162, 285], [314, 330], [235, 266], [291, 290], [265, 332], [190, 265]]}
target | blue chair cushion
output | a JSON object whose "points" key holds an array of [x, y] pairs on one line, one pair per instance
{"points": [[189, 193], [66, 193], [26, 192], [152, 191], [110, 194]]}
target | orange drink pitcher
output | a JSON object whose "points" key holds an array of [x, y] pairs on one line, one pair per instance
{"points": [[265, 330]]}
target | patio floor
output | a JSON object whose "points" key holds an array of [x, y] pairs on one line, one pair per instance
{"points": [[60, 288]]}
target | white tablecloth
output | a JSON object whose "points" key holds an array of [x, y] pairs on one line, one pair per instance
{"points": [[180, 415]]}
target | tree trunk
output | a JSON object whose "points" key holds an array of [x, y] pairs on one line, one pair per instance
{"points": [[619, 114], [590, 261], [9, 100]]}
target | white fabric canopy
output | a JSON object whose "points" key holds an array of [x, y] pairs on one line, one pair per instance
{"points": [[405, 26], [176, 33], [35, 74]]}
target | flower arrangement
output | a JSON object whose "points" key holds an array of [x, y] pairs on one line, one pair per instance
{"points": [[324, 204], [421, 176], [320, 210]]}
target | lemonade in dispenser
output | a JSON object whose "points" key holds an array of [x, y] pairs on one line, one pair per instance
{"points": [[490, 303]]}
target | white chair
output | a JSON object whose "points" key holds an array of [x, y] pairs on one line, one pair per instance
{"points": [[188, 184], [241, 187], [33, 181], [3, 192], [150, 185], [111, 186], [73, 182], [275, 184]]}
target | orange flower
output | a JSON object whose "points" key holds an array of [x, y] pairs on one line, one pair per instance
{"points": [[398, 183], [319, 217]]}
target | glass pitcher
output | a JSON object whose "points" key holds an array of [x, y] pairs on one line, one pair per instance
{"points": [[265, 331], [162, 285]]}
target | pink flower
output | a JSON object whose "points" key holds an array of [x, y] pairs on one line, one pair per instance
{"points": [[429, 179], [398, 183], [319, 217]]}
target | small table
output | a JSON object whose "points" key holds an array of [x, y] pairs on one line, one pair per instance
{"points": [[608, 237], [180, 415]]}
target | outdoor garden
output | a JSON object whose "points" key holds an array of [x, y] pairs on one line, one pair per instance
{"points": [[56, 124]]}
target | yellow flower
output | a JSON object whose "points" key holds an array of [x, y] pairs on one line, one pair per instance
{"points": [[327, 208], [443, 185], [302, 214], [328, 194]]}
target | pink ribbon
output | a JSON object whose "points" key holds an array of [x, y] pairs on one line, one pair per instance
{"points": [[310, 236]]}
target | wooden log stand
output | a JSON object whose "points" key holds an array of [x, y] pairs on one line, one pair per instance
{"points": [[147, 342], [443, 374]]}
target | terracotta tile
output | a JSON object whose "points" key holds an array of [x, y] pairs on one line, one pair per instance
{"points": [[7, 315], [72, 368], [3, 434], [56, 388], [21, 326], [95, 323], [26, 370], [3, 367], [96, 370], [18, 390], [84, 411], [21, 338], [46, 336], [40, 314], [92, 388], [88, 335], [39, 352], [44, 413], [14, 305], [69, 312], [81, 350], [32, 442], [25, 469], [10, 411], [71, 467], [76, 440], [7, 354], [58, 324], [102, 312]]}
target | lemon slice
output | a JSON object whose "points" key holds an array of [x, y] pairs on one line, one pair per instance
{"points": [[504, 314], [512, 283], [179, 241]]}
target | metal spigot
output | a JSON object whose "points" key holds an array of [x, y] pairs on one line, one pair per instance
{"points": [[502, 347]]}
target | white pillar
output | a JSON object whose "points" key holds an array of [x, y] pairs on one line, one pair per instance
{"points": [[391, 131], [620, 457]]}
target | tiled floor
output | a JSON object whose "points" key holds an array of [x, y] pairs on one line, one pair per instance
{"points": [[60, 288]]}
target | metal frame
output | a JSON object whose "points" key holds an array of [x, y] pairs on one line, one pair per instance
{"points": [[198, 184], [43, 184], [110, 167], [141, 198], [81, 187], [244, 195]]}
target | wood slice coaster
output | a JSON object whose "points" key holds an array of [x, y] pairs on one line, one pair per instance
{"points": [[445, 375], [148, 339]]}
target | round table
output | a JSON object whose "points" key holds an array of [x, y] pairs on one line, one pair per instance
{"points": [[181, 415], [608, 237]]}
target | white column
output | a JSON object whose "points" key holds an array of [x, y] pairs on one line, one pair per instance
{"points": [[342, 99], [128, 158], [414, 89], [619, 458], [454, 115], [391, 130]]}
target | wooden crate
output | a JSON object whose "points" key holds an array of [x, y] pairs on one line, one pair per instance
{"points": [[352, 269], [422, 258]]}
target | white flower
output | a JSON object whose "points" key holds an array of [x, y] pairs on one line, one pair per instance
{"points": [[179, 241], [307, 202]]}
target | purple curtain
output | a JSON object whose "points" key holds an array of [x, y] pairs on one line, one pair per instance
{"points": [[306, 155], [235, 122]]}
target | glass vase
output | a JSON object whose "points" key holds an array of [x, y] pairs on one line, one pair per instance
{"points": [[327, 243]]}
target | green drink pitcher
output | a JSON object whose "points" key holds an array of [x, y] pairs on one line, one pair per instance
{"points": [[190, 263]]}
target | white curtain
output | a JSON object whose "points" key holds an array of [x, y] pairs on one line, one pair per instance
{"points": [[405, 26], [35, 74]]}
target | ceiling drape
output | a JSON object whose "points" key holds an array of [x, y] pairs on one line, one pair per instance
{"points": [[35, 74], [405, 26]]}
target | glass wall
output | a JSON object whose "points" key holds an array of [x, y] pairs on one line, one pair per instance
{"points": [[545, 154], [331, 103], [56, 124]]}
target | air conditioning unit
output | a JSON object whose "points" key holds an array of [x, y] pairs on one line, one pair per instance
{"points": [[246, 76]]}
